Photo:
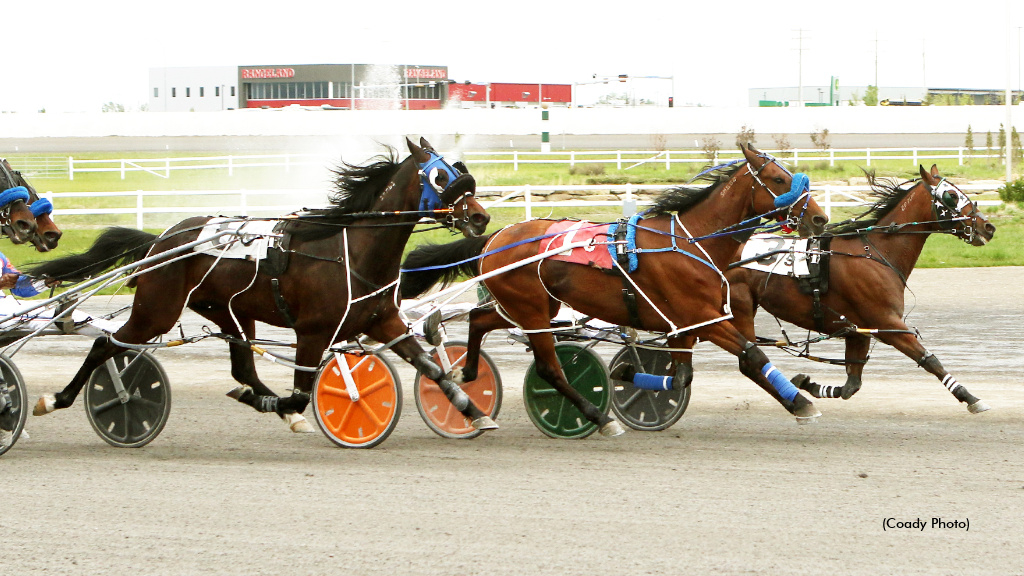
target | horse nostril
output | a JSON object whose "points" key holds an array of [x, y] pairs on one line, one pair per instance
{"points": [[990, 228], [25, 226], [480, 219], [819, 220]]}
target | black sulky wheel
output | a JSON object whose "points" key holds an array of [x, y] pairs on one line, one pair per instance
{"points": [[648, 410], [551, 412], [12, 411], [137, 416]]}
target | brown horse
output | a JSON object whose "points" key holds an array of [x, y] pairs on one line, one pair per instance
{"points": [[871, 258], [47, 234], [339, 282], [16, 219], [683, 243]]}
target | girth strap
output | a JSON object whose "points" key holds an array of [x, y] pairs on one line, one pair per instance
{"points": [[282, 305]]}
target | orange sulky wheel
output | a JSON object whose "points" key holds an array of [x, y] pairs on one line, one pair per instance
{"points": [[438, 412], [368, 420]]}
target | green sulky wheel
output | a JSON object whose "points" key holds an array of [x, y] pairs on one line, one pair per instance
{"points": [[134, 418], [12, 414], [648, 410], [551, 412]]}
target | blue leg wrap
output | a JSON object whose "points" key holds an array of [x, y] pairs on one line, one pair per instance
{"points": [[652, 382], [781, 384]]}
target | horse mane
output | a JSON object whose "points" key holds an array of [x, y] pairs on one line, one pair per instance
{"points": [[682, 198], [885, 194], [356, 188]]}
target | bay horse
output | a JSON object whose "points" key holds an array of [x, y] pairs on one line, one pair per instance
{"points": [[16, 219], [683, 243], [871, 258], [47, 234], [340, 282]]}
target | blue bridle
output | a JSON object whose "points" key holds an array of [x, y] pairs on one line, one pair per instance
{"points": [[430, 197]]}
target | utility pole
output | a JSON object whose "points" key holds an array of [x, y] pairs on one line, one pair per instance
{"points": [[800, 65]]}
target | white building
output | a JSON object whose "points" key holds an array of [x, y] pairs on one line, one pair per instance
{"points": [[193, 89]]}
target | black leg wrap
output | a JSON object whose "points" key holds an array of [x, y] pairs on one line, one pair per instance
{"points": [[683, 376], [266, 403], [751, 360]]}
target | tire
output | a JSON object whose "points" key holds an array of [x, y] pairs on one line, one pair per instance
{"points": [[13, 419], [647, 410], [137, 421], [439, 414], [368, 421], [552, 413]]}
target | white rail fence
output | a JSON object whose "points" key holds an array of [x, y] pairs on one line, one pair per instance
{"points": [[527, 198], [163, 167]]}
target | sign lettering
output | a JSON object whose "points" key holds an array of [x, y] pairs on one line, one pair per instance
{"points": [[258, 73]]}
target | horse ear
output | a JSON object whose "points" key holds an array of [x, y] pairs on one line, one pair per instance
{"points": [[935, 171], [924, 174], [749, 153], [426, 145], [417, 152]]}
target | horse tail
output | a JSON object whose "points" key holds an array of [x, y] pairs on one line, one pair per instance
{"points": [[447, 263], [114, 247]]}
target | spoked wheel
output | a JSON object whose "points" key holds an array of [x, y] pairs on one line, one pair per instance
{"points": [[648, 410], [438, 412], [360, 420], [128, 399], [551, 412], [12, 415]]}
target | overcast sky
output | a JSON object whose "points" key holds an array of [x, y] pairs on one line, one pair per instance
{"points": [[74, 55]]}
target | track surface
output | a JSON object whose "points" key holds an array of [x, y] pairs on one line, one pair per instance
{"points": [[736, 487]]}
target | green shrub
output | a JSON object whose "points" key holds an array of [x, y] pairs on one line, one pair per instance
{"points": [[1013, 191], [587, 169]]}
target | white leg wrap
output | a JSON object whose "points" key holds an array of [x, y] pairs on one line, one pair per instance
{"points": [[297, 423], [45, 405]]}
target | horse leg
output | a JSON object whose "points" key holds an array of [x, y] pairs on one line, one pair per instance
{"points": [[856, 357], [756, 366], [909, 345], [391, 327], [481, 322], [682, 362], [548, 368], [139, 328], [253, 392]]}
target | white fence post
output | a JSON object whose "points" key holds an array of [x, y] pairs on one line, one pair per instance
{"points": [[867, 155], [122, 169], [618, 159], [138, 209], [527, 200], [71, 168], [831, 157], [572, 159], [960, 154], [914, 156], [796, 157], [515, 160], [668, 160]]}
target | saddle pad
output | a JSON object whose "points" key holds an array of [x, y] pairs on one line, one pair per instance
{"points": [[570, 231], [256, 237], [781, 255]]}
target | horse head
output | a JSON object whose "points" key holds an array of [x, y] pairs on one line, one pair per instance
{"points": [[448, 187], [47, 234], [782, 194], [16, 219], [954, 211]]}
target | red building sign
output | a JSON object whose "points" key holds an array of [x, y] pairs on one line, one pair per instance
{"points": [[268, 73]]}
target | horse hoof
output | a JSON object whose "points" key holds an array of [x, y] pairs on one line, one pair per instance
{"points": [[802, 381], [297, 423], [978, 407], [484, 423], [807, 414], [44, 406], [457, 376], [612, 429], [238, 392]]}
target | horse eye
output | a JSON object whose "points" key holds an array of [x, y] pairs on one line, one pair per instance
{"points": [[441, 179], [948, 199], [779, 180]]}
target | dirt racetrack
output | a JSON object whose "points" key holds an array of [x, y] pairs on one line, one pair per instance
{"points": [[736, 487]]}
